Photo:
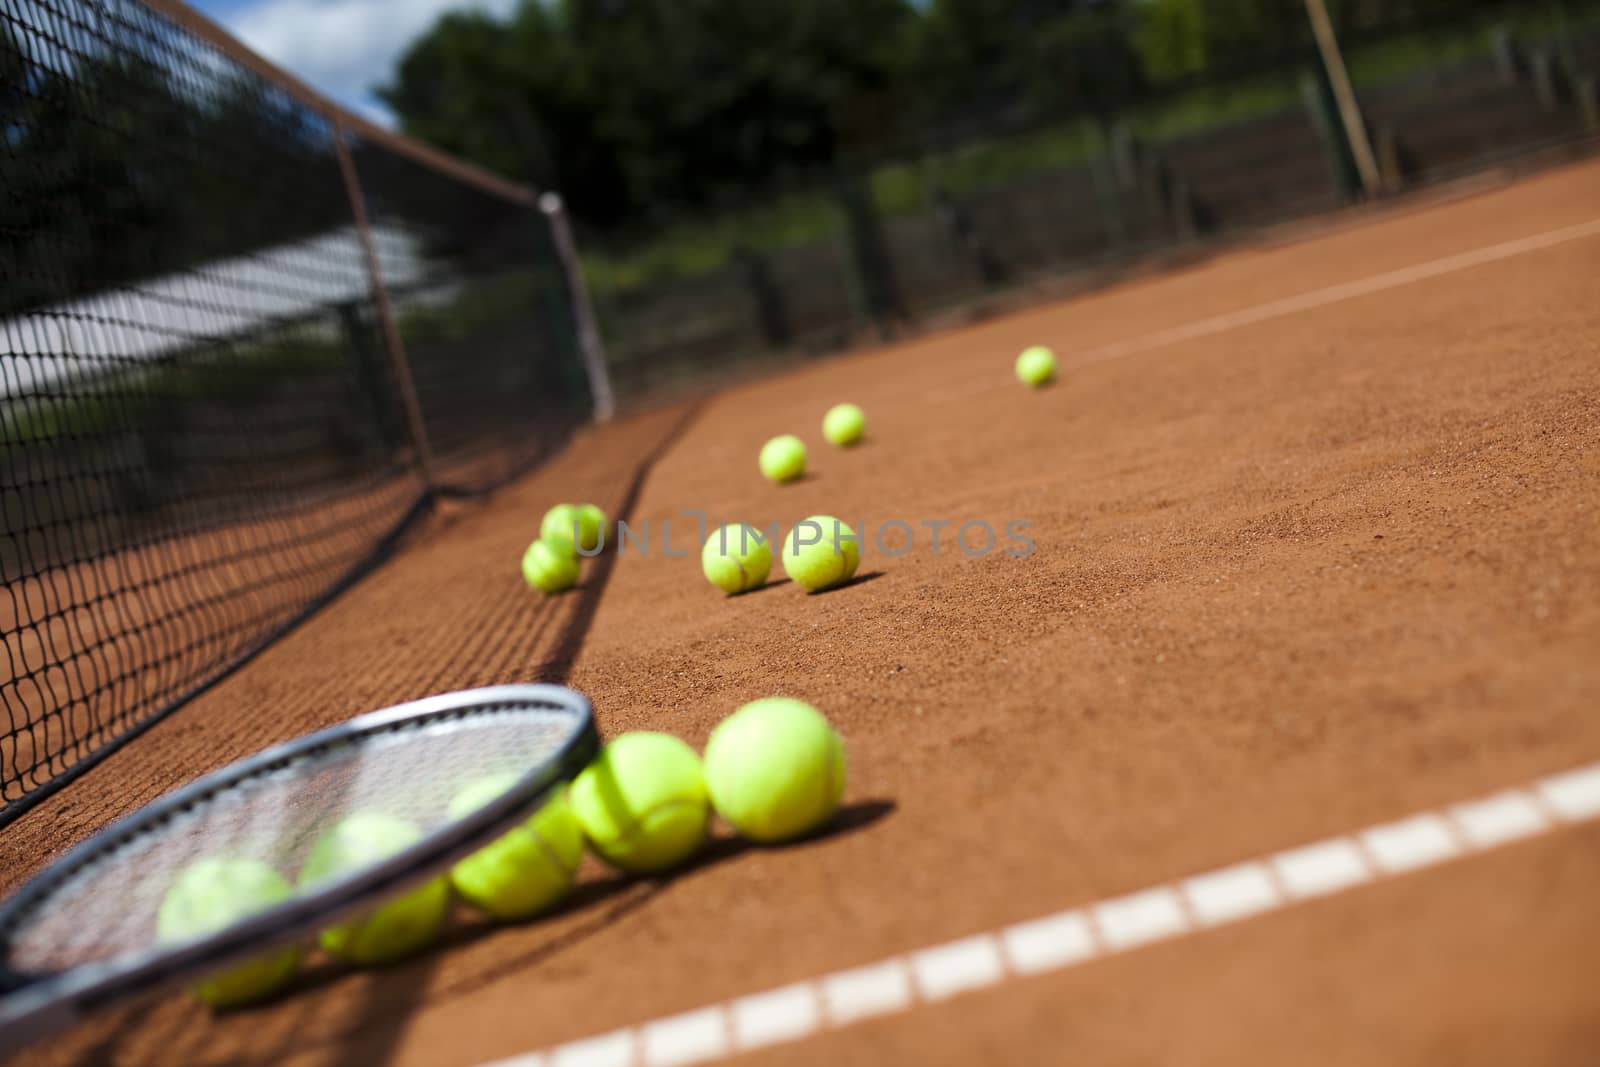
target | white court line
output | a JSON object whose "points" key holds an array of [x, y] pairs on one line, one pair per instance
{"points": [[876, 989], [1054, 942], [690, 1038], [1234, 893], [786, 1014], [959, 967], [1323, 868], [1333, 294], [1139, 917]]}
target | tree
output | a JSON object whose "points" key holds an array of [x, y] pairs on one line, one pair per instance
{"points": [[1086, 63], [113, 174], [1172, 39], [635, 106]]}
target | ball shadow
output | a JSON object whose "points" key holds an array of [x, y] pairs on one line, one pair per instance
{"points": [[610, 899], [765, 586], [860, 579]]}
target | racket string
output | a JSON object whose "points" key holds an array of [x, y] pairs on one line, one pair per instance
{"points": [[106, 905]]}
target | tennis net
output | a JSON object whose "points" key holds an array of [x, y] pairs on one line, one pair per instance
{"points": [[245, 339]]}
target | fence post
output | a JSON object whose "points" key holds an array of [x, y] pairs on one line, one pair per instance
{"points": [[380, 297], [1587, 92], [1391, 159], [1183, 210], [772, 312], [1344, 95], [1125, 154], [1508, 58], [873, 261], [1324, 113], [964, 234], [590, 346], [1546, 75], [1106, 181]]}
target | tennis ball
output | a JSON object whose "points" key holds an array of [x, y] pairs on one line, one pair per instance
{"points": [[1036, 366], [594, 529], [643, 803], [567, 526], [555, 529], [531, 867], [844, 424], [215, 893], [821, 552], [549, 568], [783, 459], [393, 929], [736, 558], [775, 769]]}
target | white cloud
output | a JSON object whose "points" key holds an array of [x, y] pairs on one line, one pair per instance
{"points": [[343, 47]]}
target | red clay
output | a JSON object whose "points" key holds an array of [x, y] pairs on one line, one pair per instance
{"points": [[1290, 580]]}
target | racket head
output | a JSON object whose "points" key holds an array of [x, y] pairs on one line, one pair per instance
{"points": [[81, 934]]}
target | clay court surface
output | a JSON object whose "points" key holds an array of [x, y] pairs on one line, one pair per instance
{"points": [[1297, 572]]}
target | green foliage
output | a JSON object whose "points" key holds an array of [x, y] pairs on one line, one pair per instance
{"points": [[1086, 64], [645, 111], [700, 243], [1172, 39], [101, 406], [628, 106], [1241, 27], [115, 173], [962, 51], [483, 301], [703, 243], [986, 164]]}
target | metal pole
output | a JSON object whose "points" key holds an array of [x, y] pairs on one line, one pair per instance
{"points": [[380, 297], [1344, 95], [589, 342]]}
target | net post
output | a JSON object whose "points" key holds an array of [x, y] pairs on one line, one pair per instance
{"points": [[1344, 96], [380, 297], [590, 345]]}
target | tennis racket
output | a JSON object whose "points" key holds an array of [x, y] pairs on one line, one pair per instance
{"points": [[81, 935]]}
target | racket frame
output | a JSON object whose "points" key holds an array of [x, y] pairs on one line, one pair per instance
{"points": [[34, 1005]]}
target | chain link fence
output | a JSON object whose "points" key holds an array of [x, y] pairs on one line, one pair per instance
{"points": [[1019, 204]]}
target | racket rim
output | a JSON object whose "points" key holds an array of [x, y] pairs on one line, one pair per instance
{"points": [[305, 911]]}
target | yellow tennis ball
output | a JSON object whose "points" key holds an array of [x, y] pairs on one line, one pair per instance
{"points": [[1036, 366], [844, 424], [212, 894], [549, 568], [775, 769], [555, 529], [529, 869], [594, 529], [396, 928], [820, 553], [736, 558], [783, 459], [643, 803], [570, 526]]}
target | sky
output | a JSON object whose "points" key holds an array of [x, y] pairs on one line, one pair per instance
{"points": [[341, 47]]}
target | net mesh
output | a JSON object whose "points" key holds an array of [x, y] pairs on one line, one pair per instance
{"points": [[481, 308], [107, 905], [202, 430]]}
